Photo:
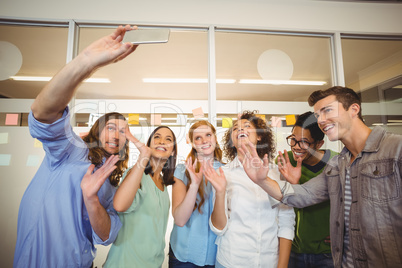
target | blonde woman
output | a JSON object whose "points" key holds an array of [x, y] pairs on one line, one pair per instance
{"points": [[192, 243]]}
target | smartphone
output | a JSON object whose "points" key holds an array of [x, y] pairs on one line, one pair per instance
{"points": [[147, 36]]}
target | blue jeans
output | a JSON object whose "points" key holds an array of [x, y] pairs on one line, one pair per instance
{"points": [[175, 263], [303, 260]]}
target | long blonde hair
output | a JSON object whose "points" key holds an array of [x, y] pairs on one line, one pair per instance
{"points": [[193, 155]]}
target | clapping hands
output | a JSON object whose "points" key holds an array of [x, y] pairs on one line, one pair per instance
{"points": [[196, 178], [218, 180]]}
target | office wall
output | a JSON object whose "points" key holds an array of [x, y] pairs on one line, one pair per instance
{"points": [[274, 14]]}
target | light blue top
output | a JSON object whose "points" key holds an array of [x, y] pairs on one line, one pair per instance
{"points": [[141, 241], [195, 242], [53, 224]]}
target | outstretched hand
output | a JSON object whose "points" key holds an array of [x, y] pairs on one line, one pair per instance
{"points": [[145, 151], [93, 181], [109, 48], [196, 178], [218, 180], [255, 169], [292, 174]]}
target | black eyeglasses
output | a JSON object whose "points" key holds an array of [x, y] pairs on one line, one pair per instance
{"points": [[303, 144]]}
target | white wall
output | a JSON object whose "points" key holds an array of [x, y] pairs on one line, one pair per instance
{"points": [[302, 15]]}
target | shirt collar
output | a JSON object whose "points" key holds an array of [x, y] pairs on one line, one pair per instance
{"points": [[373, 141], [235, 163]]}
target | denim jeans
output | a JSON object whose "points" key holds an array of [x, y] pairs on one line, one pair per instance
{"points": [[302, 260], [175, 263]]}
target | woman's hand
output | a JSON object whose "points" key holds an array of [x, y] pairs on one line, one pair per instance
{"points": [[218, 180], [145, 151], [196, 178], [255, 169]]}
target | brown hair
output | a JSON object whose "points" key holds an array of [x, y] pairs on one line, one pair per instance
{"points": [[97, 153], [170, 165], [265, 145], [193, 155], [344, 95]]}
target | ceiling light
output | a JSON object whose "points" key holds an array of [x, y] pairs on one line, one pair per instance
{"points": [[31, 78], [186, 80], [48, 78], [282, 82]]}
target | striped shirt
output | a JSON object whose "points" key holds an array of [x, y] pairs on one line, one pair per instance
{"points": [[347, 261]]}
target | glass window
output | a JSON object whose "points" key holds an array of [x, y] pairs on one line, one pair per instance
{"points": [[33, 51], [373, 67], [285, 62], [184, 56]]}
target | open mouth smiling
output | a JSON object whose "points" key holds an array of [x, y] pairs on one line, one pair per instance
{"points": [[328, 127], [159, 148], [242, 135]]}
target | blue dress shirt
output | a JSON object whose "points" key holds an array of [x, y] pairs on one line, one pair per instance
{"points": [[53, 224]]}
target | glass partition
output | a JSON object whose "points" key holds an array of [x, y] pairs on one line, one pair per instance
{"points": [[30, 55], [373, 67], [271, 67]]}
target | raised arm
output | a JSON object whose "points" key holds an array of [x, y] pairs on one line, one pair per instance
{"points": [[218, 181], [183, 200], [257, 170], [55, 96], [127, 190]]}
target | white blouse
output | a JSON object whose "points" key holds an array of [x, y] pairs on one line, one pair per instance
{"points": [[251, 235]]}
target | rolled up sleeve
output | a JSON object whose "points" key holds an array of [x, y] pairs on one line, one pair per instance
{"points": [[286, 222], [115, 225]]}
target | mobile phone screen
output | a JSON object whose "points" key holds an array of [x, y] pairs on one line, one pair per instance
{"points": [[147, 36]]}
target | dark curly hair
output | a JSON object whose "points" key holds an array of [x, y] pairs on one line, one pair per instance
{"points": [[97, 153], [266, 144]]}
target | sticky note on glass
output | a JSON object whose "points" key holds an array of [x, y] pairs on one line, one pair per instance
{"points": [[276, 121], [198, 113], [11, 119], [83, 134], [262, 116], [33, 161], [290, 119], [133, 119], [227, 122], [37, 144], [156, 119], [5, 159], [3, 138]]}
